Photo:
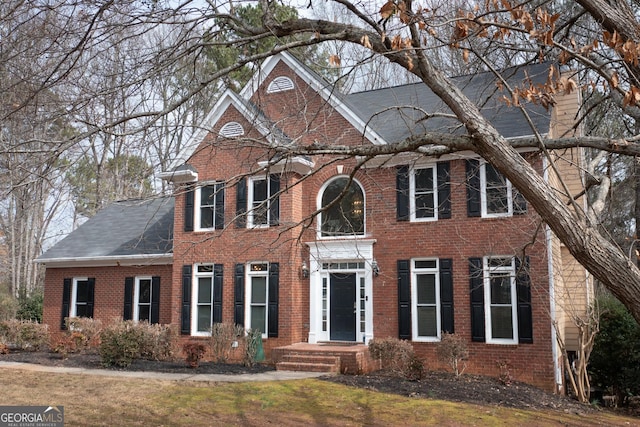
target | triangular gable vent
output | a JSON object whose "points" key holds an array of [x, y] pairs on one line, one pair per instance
{"points": [[280, 84], [231, 129]]}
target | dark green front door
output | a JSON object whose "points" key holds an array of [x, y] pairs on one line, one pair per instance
{"points": [[343, 307]]}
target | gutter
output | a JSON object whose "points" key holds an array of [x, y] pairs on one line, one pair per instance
{"points": [[107, 261]]}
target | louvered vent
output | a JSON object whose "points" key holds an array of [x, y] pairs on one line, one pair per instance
{"points": [[280, 84], [231, 129]]}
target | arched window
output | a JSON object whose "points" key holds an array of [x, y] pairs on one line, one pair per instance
{"points": [[343, 209]]}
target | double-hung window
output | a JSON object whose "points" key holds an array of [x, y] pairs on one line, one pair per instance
{"points": [[207, 298], [426, 300], [142, 299], [259, 202], [496, 192], [209, 201], [258, 297], [490, 194], [500, 300], [81, 298], [424, 194]]}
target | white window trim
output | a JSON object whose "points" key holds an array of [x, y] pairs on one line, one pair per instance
{"points": [[414, 299], [197, 205], [487, 299], [136, 298], [251, 180], [74, 294], [194, 299], [247, 306], [320, 214], [412, 194], [483, 195]]}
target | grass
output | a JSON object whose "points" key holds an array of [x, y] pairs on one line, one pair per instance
{"points": [[97, 400]]}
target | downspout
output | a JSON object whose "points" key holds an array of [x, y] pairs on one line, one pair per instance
{"points": [[552, 298]]}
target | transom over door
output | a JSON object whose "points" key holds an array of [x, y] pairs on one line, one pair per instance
{"points": [[342, 319]]}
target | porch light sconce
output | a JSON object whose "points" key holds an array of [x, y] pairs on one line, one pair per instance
{"points": [[375, 268], [305, 270]]}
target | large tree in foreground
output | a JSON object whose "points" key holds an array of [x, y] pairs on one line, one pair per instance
{"points": [[599, 40]]}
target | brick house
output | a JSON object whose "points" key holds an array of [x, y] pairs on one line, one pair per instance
{"points": [[328, 252]]}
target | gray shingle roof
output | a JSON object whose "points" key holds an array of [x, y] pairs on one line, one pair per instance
{"points": [[122, 229], [397, 112]]}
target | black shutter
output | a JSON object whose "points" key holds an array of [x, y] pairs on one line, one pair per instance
{"points": [[474, 203], [219, 208], [402, 193], [91, 288], [446, 295], [128, 298], [523, 292], [476, 283], [404, 300], [238, 298], [241, 203], [217, 293], [185, 321], [444, 190], [274, 199], [155, 299], [519, 202], [188, 208], [272, 316], [66, 302]]}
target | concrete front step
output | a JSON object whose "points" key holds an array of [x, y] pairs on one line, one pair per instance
{"points": [[309, 363]]}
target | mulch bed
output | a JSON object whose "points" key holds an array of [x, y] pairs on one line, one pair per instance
{"points": [[435, 385]]}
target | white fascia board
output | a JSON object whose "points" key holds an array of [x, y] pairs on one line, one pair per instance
{"points": [[416, 158], [321, 87], [229, 98], [108, 261], [179, 177], [297, 164]]}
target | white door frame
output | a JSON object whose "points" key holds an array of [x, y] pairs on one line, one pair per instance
{"points": [[358, 252]]}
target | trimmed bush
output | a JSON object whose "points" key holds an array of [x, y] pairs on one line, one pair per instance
{"points": [[124, 341], [223, 335], [396, 357], [120, 344], [157, 342], [194, 352], [24, 335], [452, 350]]}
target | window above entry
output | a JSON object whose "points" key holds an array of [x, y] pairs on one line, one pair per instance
{"points": [[280, 84], [342, 205]]}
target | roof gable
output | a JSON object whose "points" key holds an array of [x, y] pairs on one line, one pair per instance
{"points": [[249, 111], [325, 89]]}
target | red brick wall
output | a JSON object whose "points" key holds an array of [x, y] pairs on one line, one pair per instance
{"points": [[109, 291]]}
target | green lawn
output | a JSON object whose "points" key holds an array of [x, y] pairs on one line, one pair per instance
{"points": [[95, 400]]}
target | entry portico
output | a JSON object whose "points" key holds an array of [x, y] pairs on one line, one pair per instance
{"points": [[341, 291]]}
